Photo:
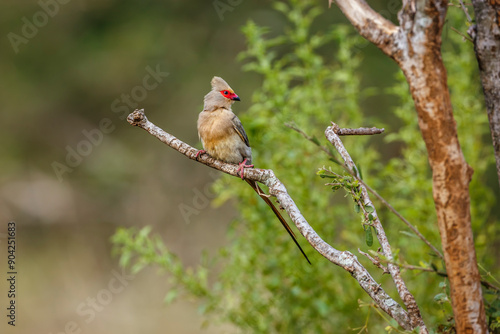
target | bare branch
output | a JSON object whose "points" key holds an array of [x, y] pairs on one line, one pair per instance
{"points": [[484, 282], [404, 293], [370, 189], [344, 259], [313, 140], [376, 262], [466, 11], [370, 24], [360, 131], [464, 36]]}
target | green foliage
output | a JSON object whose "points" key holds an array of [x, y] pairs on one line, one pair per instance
{"points": [[352, 188], [310, 78], [138, 250]]}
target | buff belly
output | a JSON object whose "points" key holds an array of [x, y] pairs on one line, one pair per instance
{"points": [[227, 149]]}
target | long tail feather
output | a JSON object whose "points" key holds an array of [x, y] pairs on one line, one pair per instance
{"points": [[259, 191]]}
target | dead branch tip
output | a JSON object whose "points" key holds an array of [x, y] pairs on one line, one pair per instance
{"points": [[137, 117]]}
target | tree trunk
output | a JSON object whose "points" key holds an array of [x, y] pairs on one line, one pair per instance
{"points": [[486, 38], [450, 177]]}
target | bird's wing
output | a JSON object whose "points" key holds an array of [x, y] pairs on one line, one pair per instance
{"points": [[238, 127]]}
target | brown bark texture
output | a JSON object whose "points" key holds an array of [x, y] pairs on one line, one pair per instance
{"points": [[486, 36], [416, 46]]}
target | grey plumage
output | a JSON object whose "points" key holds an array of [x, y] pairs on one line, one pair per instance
{"points": [[220, 130], [224, 138]]}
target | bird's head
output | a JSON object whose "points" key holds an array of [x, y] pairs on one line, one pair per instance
{"points": [[221, 95]]}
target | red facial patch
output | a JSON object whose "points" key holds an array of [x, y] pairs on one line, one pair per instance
{"points": [[227, 94]]}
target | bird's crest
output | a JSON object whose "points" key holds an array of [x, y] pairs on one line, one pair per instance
{"points": [[219, 84]]}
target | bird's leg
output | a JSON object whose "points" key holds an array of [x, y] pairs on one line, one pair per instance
{"points": [[200, 152], [241, 168]]}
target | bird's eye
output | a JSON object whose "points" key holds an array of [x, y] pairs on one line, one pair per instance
{"points": [[226, 92]]}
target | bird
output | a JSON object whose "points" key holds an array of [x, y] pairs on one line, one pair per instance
{"points": [[224, 138]]}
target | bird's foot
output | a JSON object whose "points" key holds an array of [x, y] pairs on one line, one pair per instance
{"points": [[200, 152], [241, 168]]}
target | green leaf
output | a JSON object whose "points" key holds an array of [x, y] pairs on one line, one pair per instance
{"points": [[357, 207], [138, 266], [368, 236], [441, 298], [125, 259], [171, 296], [335, 161], [323, 174], [315, 140], [409, 234], [369, 208], [202, 309], [321, 306], [144, 232]]}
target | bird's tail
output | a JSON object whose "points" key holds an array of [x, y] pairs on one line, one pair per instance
{"points": [[260, 192]]}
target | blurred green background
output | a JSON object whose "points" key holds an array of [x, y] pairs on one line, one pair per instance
{"points": [[74, 72]]}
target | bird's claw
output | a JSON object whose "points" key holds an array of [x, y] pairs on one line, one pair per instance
{"points": [[241, 168], [200, 152]]}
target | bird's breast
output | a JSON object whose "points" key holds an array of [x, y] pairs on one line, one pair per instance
{"points": [[218, 137]]}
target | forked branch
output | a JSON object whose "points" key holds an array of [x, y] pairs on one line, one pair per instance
{"points": [[344, 259], [404, 293]]}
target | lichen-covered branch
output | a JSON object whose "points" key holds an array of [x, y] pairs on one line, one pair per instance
{"points": [[344, 259], [339, 131], [360, 131], [404, 293]]}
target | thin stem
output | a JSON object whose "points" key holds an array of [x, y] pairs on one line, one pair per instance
{"points": [[466, 11], [462, 34], [484, 283]]}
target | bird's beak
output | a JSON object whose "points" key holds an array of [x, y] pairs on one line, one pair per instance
{"points": [[235, 98]]}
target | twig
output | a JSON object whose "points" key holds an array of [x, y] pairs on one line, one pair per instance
{"points": [[360, 131], [403, 219], [462, 34], [376, 261], [344, 259], [484, 283], [370, 189], [466, 11], [313, 140]]}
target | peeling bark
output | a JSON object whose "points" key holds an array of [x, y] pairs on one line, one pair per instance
{"points": [[451, 176]]}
